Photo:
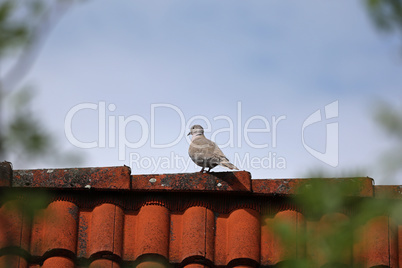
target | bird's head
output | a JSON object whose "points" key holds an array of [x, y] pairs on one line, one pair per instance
{"points": [[196, 130]]}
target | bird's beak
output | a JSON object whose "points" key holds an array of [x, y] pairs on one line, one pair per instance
{"points": [[189, 133]]}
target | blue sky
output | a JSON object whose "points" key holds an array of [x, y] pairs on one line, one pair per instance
{"points": [[273, 59]]}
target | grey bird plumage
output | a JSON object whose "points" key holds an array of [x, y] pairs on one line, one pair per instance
{"points": [[206, 153]]}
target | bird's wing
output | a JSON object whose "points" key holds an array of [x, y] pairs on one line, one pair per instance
{"points": [[204, 150], [203, 147], [219, 154], [223, 160]]}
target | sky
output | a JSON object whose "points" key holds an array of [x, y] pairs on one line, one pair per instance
{"points": [[285, 88]]}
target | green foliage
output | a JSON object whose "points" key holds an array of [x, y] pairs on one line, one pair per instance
{"points": [[389, 118], [387, 14], [18, 22], [24, 133], [336, 215], [12, 33], [318, 196], [21, 132], [25, 202], [24, 136]]}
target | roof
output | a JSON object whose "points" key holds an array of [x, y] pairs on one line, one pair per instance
{"points": [[106, 217]]}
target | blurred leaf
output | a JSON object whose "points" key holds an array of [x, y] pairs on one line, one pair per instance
{"points": [[336, 213], [389, 118], [26, 202], [386, 14], [322, 196], [37, 7], [25, 133], [294, 264], [12, 33]]}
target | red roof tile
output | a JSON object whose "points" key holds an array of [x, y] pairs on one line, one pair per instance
{"points": [[290, 186], [224, 181], [76, 178], [105, 217], [388, 191]]}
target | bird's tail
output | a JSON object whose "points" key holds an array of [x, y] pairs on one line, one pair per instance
{"points": [[228, 165]]}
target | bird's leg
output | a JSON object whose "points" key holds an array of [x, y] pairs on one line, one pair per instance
{"points": [[202, 170], [209, 170]]}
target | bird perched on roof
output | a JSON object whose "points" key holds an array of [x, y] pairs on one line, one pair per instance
{"points": [[206, 153]]}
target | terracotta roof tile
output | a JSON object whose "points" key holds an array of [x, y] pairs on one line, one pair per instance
{"points": [[103, 263], [152, 233], [225, 181], [388, 191], [243, 238], [77, 178], [290, 186], [105, 233], [13, 261], [380, 243], [53, 262], [15, 227], [60, 227], [6, 173], [187, 220], [273, 250]]}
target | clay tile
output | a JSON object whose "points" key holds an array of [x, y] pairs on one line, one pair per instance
{"points": [[276, 186], [12, 261], [84, 178], [388, 191], [220, 239], [60, 229], [15, 227], [58, 262], [194, 265], [239, 181], [37, 236], [191, 220], [103, 263], [106, 230], [130, 233], [243, 235], [6, 174], [151, 264], [380, 243], [153, 231], [292, 186], [175, 239], [197, 233], [273, 248], [83, 234], [325, 227]]}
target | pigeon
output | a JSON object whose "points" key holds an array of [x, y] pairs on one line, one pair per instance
{"points": [[206, 153]]}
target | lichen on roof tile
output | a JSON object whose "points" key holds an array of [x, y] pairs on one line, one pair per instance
{"points": [[189, 220]]}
